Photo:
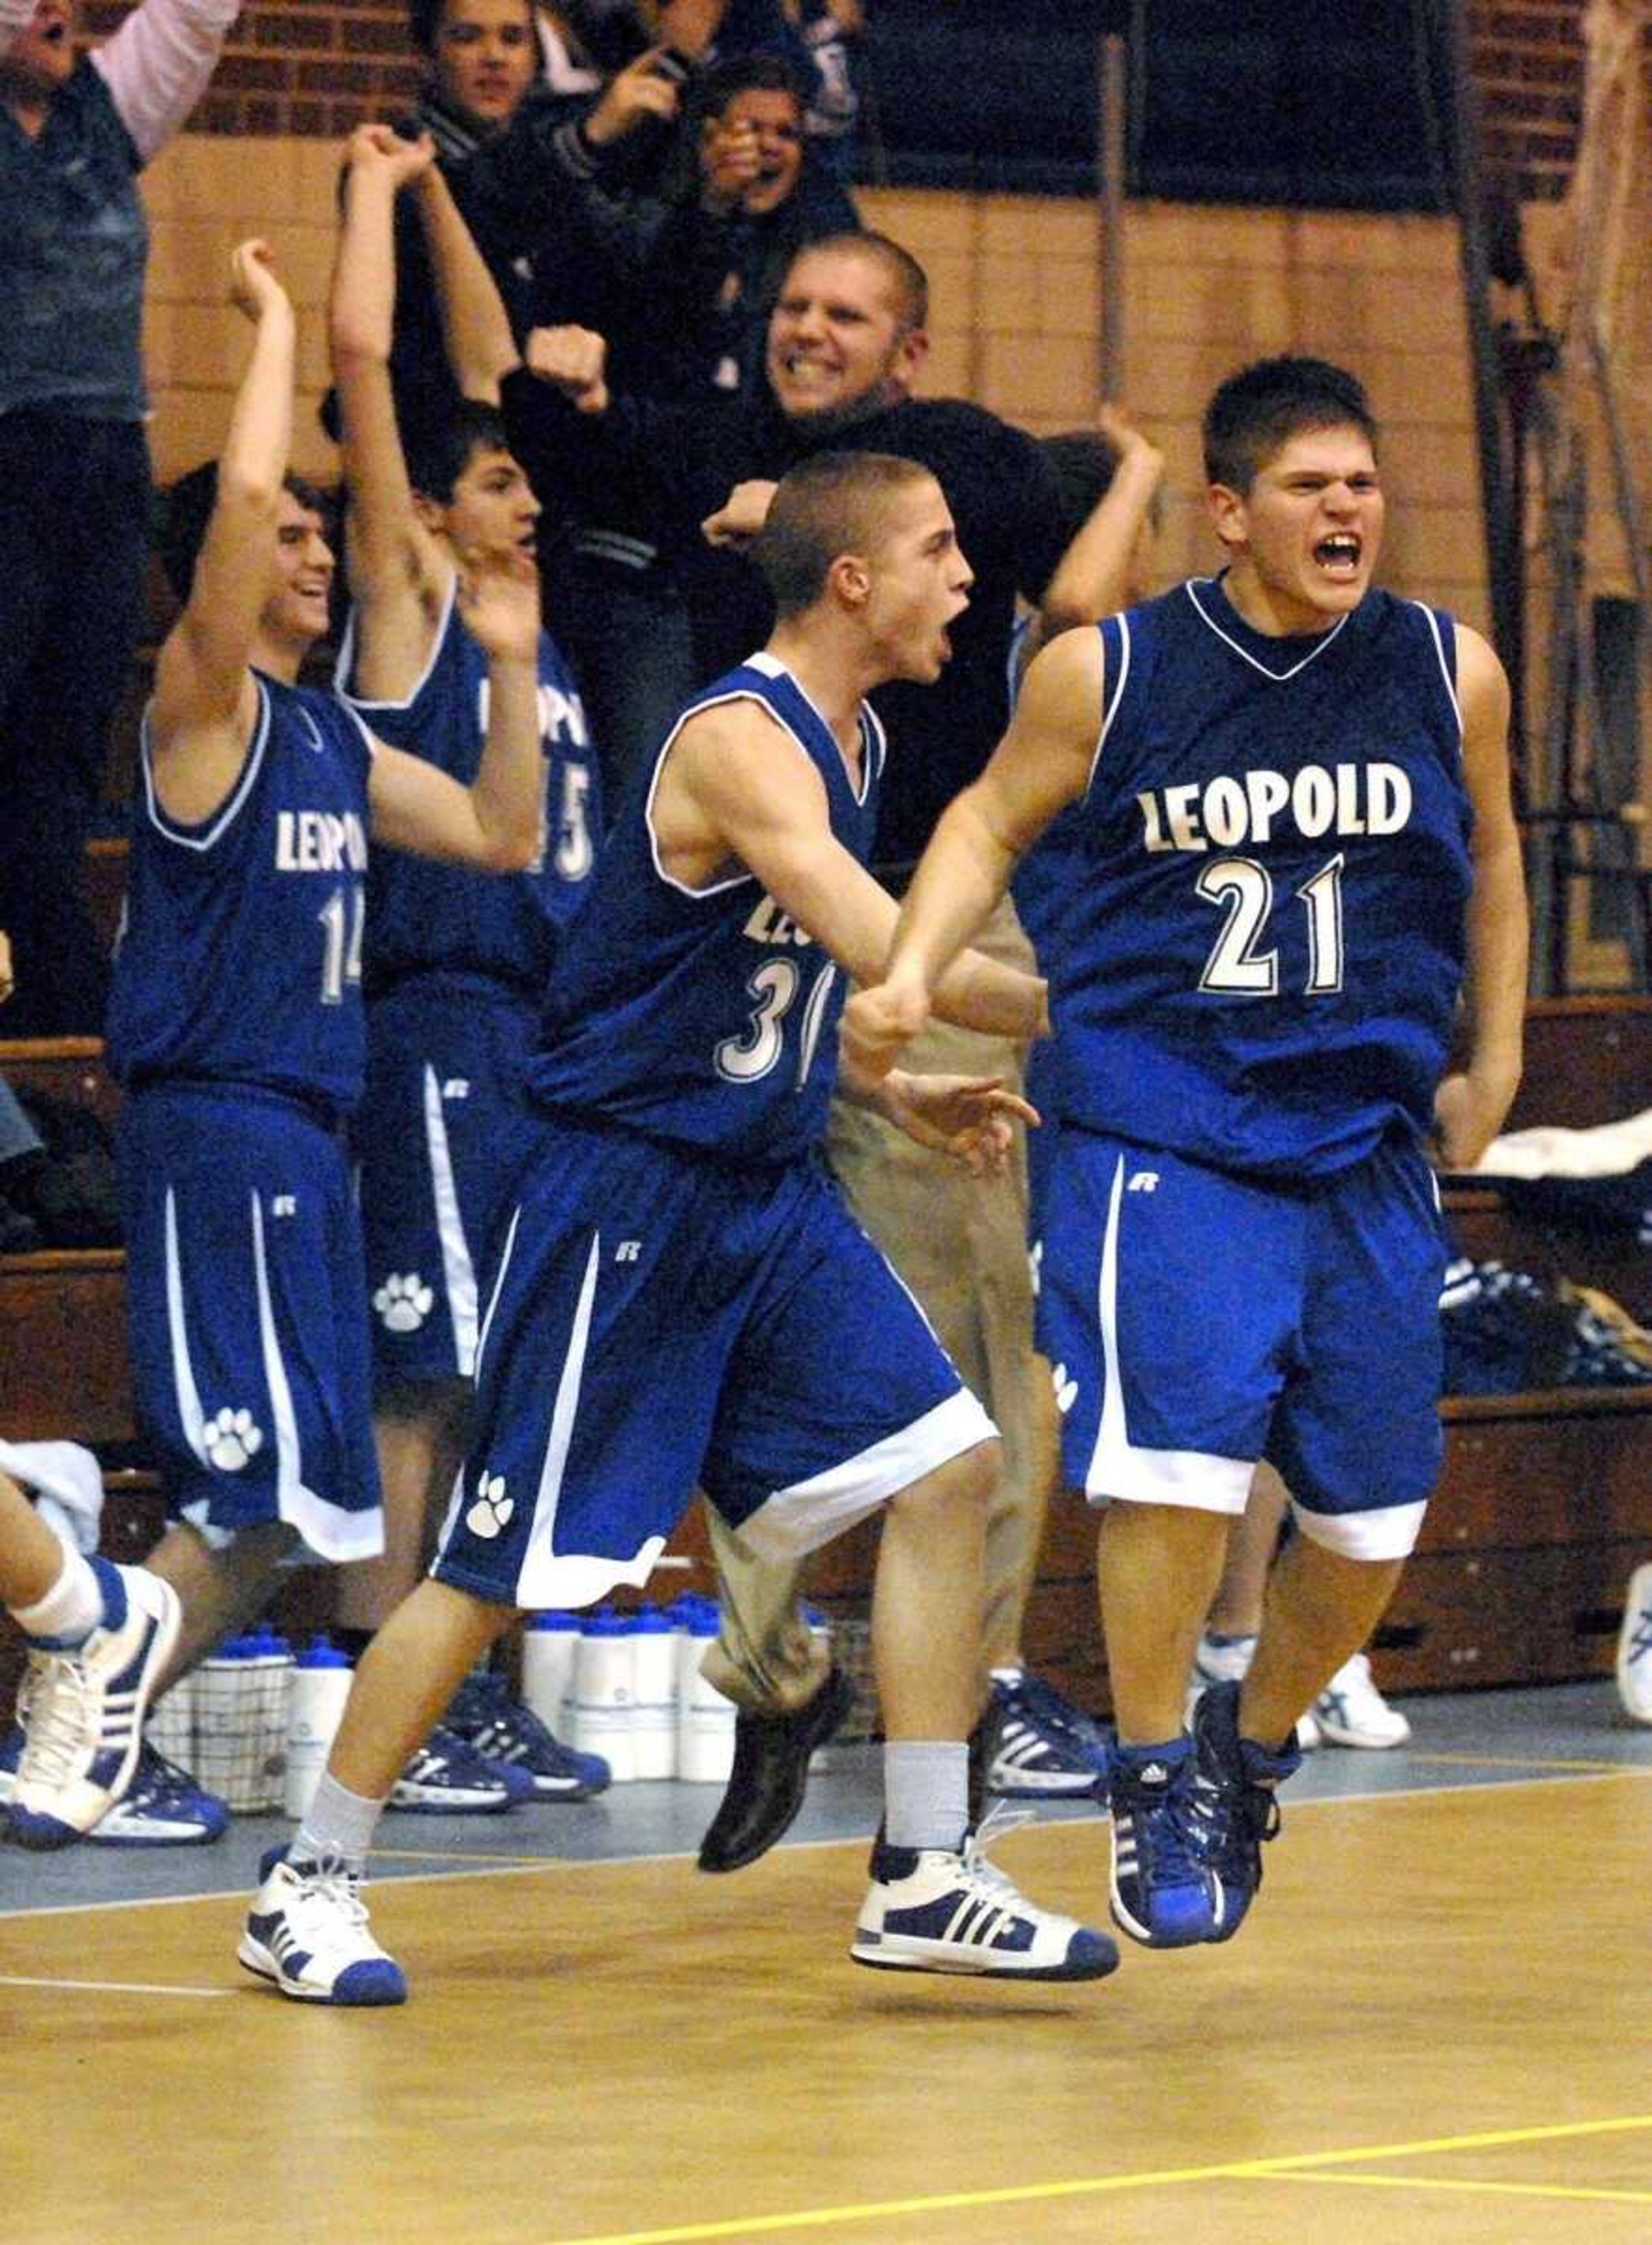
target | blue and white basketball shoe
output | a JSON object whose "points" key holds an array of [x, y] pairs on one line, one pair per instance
{"points": [[448, 1777], [307, 1932], [1165, 1892], [1243, 1776], [163, 1807], [1047, 1749], [82, 1709], [936, 1910]]}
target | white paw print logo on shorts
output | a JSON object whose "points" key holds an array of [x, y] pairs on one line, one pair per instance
{"points": [[1066, 1390], [492, 1509], [233, 1439], [404, 1302]]}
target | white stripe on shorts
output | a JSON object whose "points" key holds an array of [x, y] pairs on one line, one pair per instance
{"points": [[799, 1519], [1390, 1533], [459, 1272], [1117, 1469], [551, 1578]]}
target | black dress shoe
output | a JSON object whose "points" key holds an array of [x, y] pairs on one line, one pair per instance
{"points": [[770, 1776]]}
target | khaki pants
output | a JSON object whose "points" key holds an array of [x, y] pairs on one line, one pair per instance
{"points": [[960, 1244]]}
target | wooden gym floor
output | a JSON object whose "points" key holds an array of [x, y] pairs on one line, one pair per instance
{"points": [[1434, 2028]]}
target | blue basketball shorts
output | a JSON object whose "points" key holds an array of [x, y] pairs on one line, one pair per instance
{"points": [[438, 1137], [247, 1313], [1198, 1321], [658, 1321]]}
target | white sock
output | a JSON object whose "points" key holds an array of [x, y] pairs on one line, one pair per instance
{"points": [[926, 1791], [72, 1609], [340, 1826]]}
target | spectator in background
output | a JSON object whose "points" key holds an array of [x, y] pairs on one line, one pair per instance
{"points": [[75, 130], [745, 201]]}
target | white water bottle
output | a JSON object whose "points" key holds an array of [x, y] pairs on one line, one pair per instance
{"points": [[654, 1680], [603, 1693], [315, 1708], [705, 1717], [549, 1644]]}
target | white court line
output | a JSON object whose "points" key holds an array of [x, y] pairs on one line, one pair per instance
{"points": [[111, 1987], [518, 1868]]}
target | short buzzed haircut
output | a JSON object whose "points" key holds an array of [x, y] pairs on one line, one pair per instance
{"points": [[184, 509], [1257, 411], [907, 282], [836, 503]]}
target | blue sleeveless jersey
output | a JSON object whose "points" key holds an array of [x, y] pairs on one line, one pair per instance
{"points": [[1261, 940], [705, 1017], [423, 916], [240, 959]]}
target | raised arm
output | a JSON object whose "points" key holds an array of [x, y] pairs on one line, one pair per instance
{"points": [[159, 64], [1091, 579], [1469, 1107], [481, 351], [200, 718], [494, 826], [1041, 764], [397, 574]]}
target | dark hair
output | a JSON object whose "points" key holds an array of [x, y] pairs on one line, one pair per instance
{"points": [[185, 508], [909, 282], [833, 504], [767, 73], [425, 22], [442, 445], [1257, 411]]}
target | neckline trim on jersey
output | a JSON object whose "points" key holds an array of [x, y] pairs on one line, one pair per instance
{"points": [[1316, 642]]}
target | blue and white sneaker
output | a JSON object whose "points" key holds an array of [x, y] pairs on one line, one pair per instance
{"points": [[447, 1777], [82, 1709], [503, 1731], [1047, 1749], [1242, 1775], [163, 1807], [1165, 1890], [936, 1910], [307, 1932]]}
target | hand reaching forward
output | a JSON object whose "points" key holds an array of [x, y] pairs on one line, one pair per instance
{"points": [[879, 1022], [970, 1117]]}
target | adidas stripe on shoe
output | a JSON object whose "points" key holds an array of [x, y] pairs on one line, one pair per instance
{"points": [[934, 1909], [163, 1807], [82, 1709], [1047, 1749], [307, 1933], [1165, 1892]]}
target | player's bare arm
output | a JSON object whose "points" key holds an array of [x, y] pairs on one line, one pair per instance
{"points": [[398, 576], [1470, 1106], [493, 824], [1041, 764], [476, 329], [735, 793], [202, 718]]}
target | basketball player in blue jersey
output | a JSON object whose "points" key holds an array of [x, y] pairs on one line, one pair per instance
{"points": [[454, 963], [1296, 839], [236, 1021], [682, 1296]]}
